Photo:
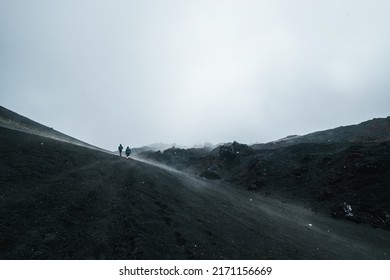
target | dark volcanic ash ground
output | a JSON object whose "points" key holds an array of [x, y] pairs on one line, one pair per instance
{"points": [[64, 201]]}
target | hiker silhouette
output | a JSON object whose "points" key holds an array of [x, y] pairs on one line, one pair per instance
{"points": [[120, 148], [128, 151]]}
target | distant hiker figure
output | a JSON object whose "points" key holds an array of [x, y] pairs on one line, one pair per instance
{"points": [[120, 148], [128, 151]]}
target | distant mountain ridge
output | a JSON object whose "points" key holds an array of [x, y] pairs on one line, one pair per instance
{"points": [[10, 119], [375, 130], [163, 147], [155, 147]]}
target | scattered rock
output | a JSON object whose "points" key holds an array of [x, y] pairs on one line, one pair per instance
{"points": [[342, 209]]}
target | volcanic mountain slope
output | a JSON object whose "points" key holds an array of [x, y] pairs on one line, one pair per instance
{"points": [[63, 201], [375, 130], [347, 179], [343, 180], [13, 120]]}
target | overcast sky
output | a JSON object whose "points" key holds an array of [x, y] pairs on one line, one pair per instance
{"points": [[187, 72]]}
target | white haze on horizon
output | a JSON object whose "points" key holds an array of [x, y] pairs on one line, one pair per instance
{"points": [[189, 72]]}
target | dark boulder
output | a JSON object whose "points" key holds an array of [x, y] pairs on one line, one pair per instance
{"points": [[212, 173]]}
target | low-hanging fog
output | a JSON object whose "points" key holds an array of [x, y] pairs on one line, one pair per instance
{"points": [[187, 72]]}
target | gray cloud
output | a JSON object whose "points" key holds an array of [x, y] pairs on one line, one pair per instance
{"points": [[139, 72]]}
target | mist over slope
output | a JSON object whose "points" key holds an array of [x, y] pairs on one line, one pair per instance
{"points": [[64, 201], [330, 171]]}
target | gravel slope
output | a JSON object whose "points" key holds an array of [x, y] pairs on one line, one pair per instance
{"points": [[62, 201]]}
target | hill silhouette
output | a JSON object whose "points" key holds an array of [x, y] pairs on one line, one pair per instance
{"points": [[15, 121], [59, 200], [375, 130]]}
